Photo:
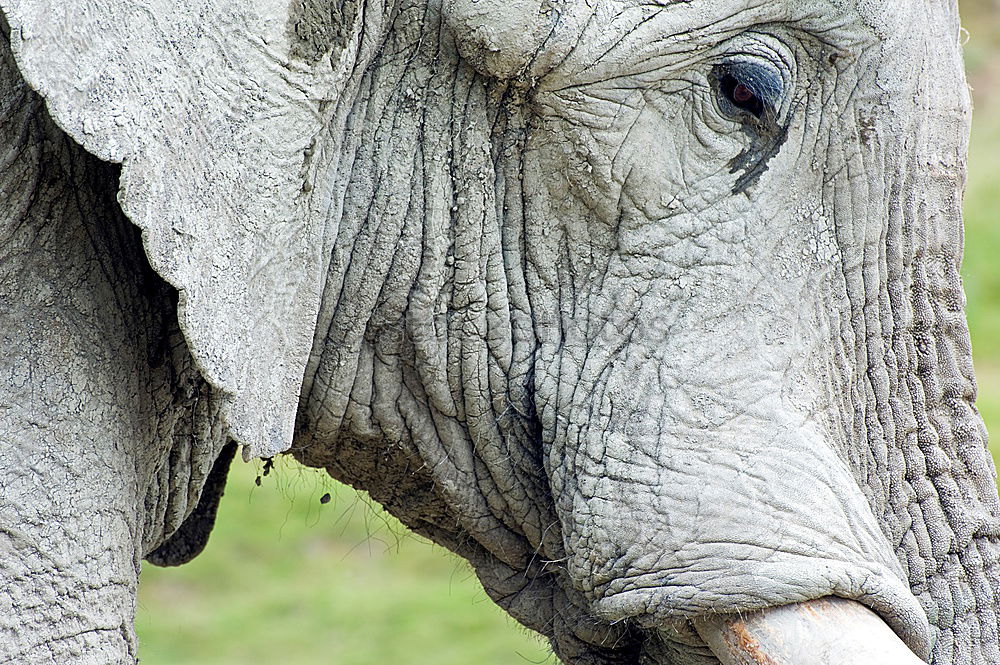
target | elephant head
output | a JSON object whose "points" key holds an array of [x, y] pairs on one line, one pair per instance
{"points": [[650, 310]]}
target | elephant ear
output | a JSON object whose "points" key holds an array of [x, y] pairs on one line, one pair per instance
{"points": [[211, 108]]}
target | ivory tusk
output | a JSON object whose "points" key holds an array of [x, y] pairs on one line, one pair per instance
{"points": [[828, 631]]}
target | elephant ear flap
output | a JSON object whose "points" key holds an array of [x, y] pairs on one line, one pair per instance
{"points": [[211, 114]]}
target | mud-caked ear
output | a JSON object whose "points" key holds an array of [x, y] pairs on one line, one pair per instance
{"points": [[212, 110]]}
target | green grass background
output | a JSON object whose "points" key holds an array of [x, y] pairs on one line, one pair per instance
{"points": [[289, 580]]}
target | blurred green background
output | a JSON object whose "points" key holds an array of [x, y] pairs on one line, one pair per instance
{"points": [[287, 579]]}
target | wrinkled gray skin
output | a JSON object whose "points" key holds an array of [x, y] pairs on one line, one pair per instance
{"points": [[637, 357]]}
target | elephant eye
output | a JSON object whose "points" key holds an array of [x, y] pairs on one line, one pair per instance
{"points": [[747, 89], [742, 96]]}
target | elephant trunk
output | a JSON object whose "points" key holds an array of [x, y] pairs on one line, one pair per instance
{"points": [[818, 632]]}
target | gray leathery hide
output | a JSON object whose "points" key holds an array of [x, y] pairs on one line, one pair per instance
{"points": [[191, 537], [533, 335], [107, 429], [427, 387]]}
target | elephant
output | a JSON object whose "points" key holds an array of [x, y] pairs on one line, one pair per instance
{"points": [[650, 310]]}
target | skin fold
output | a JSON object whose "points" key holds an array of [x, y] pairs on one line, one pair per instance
{"points": [[651, 311]]}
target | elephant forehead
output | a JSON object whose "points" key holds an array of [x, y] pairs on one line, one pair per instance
{"points": [[597, 41]]}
